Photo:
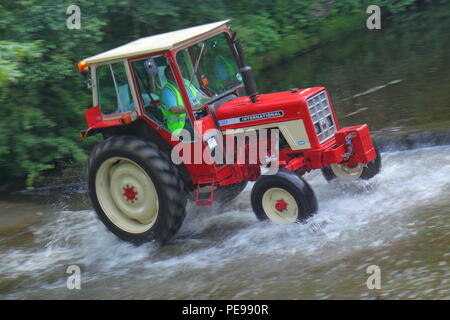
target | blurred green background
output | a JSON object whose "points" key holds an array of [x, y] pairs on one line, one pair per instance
{"points": [[42, 95]]}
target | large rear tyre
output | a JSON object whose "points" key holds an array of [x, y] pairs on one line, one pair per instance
{"points": [[135, 189], [283, 198], [360, 171]]}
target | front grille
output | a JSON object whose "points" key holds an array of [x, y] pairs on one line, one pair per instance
{"points": [[320, 111]]}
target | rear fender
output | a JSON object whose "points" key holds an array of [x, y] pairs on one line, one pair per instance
{"points": [[96, 121]]}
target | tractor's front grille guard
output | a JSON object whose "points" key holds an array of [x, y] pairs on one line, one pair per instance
{"points": [[320, 111]]}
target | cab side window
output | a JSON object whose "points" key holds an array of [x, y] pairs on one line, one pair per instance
{"points": [[114, 95]]}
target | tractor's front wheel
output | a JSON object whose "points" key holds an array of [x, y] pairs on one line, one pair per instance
{"points": [[359, 171], [283, 198], [135, 190]]}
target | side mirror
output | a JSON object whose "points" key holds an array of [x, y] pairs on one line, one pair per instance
{"points": [[87, 79], [151, 67]]}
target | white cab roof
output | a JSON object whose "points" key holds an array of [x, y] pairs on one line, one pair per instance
{"points": [[159, 42]]}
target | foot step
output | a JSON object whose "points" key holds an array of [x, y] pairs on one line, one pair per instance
{"points": [[204, 195]]}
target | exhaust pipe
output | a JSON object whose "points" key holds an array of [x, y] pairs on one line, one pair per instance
{"points": [[246, 71]]}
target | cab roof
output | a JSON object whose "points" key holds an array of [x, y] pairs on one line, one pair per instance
{"points": [[155, 43]]}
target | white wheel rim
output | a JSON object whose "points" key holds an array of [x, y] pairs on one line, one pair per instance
{"points": [[280, 206], [347, 173], [127, 195]]}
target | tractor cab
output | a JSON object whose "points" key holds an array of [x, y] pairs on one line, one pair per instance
{"points": [[169, 80], [201, 73]]}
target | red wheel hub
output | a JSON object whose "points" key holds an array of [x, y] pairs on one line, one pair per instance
{"points": [[129, 193], [281, 205]]}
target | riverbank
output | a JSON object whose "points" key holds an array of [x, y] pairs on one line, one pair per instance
{"points": [[300, 43]]}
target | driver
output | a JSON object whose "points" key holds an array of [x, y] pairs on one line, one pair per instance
{"points": [[172, 103]]}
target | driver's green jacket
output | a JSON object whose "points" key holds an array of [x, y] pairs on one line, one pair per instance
{"points": [[170, 97]]}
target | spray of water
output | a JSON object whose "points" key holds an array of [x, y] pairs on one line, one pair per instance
{"points": [[352, 216]]}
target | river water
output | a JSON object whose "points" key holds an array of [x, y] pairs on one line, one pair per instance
{"points": [[396, 80]]}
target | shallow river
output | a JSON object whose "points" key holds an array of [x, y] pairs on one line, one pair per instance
{"points": [[398, 83]]}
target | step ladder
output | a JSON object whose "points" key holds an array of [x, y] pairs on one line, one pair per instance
{"points": [[204, 193]]}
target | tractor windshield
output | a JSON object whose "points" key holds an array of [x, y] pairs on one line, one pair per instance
{"points": [[210, 67]]}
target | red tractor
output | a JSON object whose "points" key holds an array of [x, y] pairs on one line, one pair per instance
{"points": [[181, 118]]}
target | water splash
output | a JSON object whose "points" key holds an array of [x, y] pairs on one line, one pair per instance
{"points": [[352, 217]]}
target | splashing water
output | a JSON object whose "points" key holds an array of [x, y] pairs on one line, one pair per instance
{"points": [[398, 220]]}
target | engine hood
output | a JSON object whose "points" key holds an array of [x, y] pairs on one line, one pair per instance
{"points": [[272, 107]]}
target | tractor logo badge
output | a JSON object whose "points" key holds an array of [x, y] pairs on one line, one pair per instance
{"points": [[254, 117], [261, 116]]}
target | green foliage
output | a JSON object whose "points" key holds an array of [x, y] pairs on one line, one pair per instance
{"points": [[42, 96]]}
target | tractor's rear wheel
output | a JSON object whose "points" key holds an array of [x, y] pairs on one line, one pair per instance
{"points": [[283, 198], [135, 189], [359, 171]]}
